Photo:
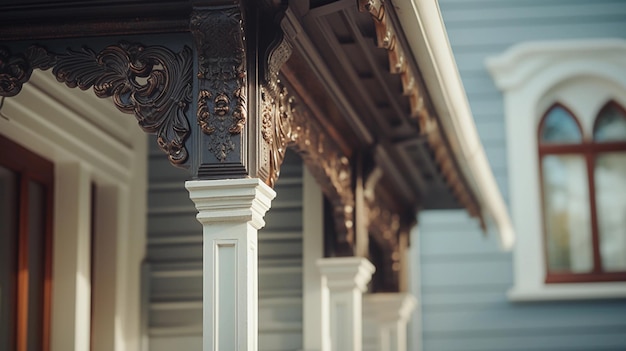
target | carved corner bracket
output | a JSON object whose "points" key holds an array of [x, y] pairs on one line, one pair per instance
{"points": [[386, 227], [222, 76], [151, 82], [389, 227], [383, 225], [289, 124]]}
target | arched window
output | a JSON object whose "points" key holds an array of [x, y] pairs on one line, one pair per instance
{"points": [[584, 195]]}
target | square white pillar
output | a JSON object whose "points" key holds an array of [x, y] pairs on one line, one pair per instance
{"points": [[231, 212], [387, 314], [344, 279]]}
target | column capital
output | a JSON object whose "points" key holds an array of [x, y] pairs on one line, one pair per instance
{"points": [[231, 200], [388, 307], [346, 272]]}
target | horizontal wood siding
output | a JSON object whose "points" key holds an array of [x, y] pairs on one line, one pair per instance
{"points": [[464, 275], [464, 280], [175, 261]]}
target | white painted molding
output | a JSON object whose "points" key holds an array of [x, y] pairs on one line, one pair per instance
{"points": [[525, 60], [389, 307], [388, 314], [238, 200], [583, 75], [427, 37], [344, 279], [346, 272], [576, 291], [231, 212]]}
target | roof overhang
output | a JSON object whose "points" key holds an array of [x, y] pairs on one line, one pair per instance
{"points": [[428, 40], [394, 73]]}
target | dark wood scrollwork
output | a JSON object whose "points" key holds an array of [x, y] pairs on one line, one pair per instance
{"points": [[151, 82], [222, 76]]}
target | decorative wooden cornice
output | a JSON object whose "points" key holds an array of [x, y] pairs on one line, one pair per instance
{"points": [[151, 82], [387, 38]]}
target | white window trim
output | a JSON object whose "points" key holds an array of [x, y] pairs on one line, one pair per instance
{"points": [[525, 73], [88, 140]]}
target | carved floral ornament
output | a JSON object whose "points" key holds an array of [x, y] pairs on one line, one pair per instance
{"points": [[151, 82]]}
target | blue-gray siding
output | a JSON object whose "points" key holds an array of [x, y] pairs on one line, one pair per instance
{"points": [[464, 275], [174, 258]]}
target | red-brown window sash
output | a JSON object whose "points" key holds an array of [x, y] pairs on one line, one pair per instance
{"points": [[30, 167], [589, 149]]}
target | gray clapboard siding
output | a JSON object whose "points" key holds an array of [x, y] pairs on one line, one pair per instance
{"points": [[464, 276], [174, 254]]}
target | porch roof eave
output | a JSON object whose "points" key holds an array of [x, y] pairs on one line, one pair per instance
{"points": [[423, 26]]}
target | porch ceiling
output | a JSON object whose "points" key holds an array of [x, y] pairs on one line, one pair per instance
{"points": [[392, 110]]}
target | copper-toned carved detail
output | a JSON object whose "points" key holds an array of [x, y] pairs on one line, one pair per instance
{"points": [[386, 38], [279, 128], [203, 111], [222, 104], [151, 82], [277, 57], [284, 124]]}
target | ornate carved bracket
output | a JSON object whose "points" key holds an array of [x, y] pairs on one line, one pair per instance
{"points": [[389, 228], [288, 124], [151, 82], [222, 76]]}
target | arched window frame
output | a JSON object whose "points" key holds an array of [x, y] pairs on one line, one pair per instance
{"points": [[609, 104], [589, 148], [529, 74]]}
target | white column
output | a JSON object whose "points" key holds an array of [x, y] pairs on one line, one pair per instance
{"points": [[344, 279], [231, 212], [314, 315], [387, 315]]}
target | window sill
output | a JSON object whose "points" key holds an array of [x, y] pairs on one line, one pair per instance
{"points": [[565, 292]]}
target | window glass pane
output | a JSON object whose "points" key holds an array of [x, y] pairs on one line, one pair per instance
{"points": [[567, 216], [36, 260], [610, 179], [8, 257], [559, 126], [611, 125]]}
